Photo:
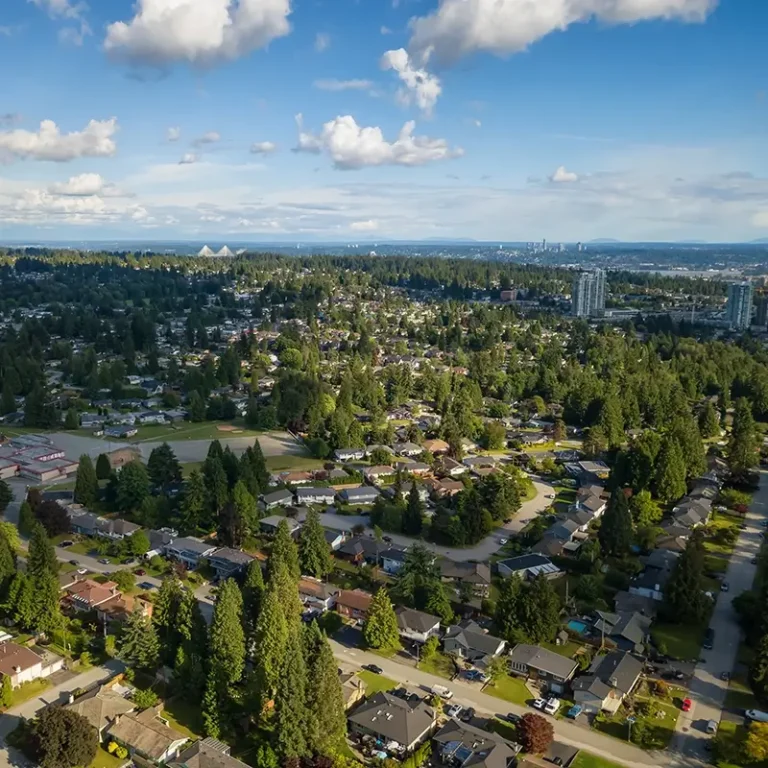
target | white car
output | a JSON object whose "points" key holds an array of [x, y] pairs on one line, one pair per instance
{"points": [[502, 541], [454, 711], [539, 704], [757, 715], [550, 495], [552, 706]]}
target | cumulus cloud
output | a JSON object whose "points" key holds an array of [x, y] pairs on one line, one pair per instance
{"points": [[263, 148], [199, 32], [95, 140], [419, 86], [211, 137], [71, 12], [459, 27], [562, 176], [173, 134], [371, 225], [189, 158], [79, 186], [322, 42], [343, 85], [385, 30], [351, 146]]}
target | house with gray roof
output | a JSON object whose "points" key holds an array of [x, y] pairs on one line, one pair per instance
{"points": [[416, 625], [610, 680], [315, 496], [399, 724], [281, 498], [469, 641], [535, 663], [476, 575], [189, 551], [364, 495], [463, 746], [228, 562], [628, 630], [207, 753], [528, 567]]}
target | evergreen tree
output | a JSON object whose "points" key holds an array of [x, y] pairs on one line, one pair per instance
{"points": [[507, 607], [227, 641], [259, 464], [253, 596], [528, 612], [20, 603], [284, 552], [380, 630], [245, 508], [165, 617], [314, 551], [611, 421], [132, 486], [163, 467], [41, 558], [686, 431], [669, 474], [196, 407], [139, 645], [419, 576], [103, 467], [71, 420], [684, 599], [6, 692], [439, 604], [26, 519], [47, 594], [216, 484], [271, 636], [6, 496], [758, 670], [615, 532], [189, 668], [7, 565], [291, 713], [8, 399], [709, 421], [645, 511], [62, 738], [193, 501], [86, 482], [743, 443], [414, 510]]}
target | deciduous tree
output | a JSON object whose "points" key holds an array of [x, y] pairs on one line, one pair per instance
{"points": [[535, 733], [61, 738]]}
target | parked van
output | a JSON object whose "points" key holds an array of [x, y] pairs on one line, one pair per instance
{"points": [[442, 691], [712, 727], [709, 639], [757, 715]]}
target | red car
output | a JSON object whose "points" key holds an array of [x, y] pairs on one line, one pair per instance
{"points": [[140, 572], [687, 704]]}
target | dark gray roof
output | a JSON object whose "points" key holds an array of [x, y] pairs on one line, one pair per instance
{"points": [[362, 545], [471, 636], [474, 747], [277, 496], [522, 562], [393, 718], [302, 493], [418, 621], [474, 573], [394, 553], [363, 492], [208, 753], [188, 544], [617, 669], [235, 557], [534, 657], [591, 684]]}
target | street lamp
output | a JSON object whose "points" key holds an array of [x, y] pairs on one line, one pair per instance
{"points": [[631, 719]]}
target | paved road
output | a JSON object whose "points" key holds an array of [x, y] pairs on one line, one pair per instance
{"points": [[480, 552], [707, 690], [10, 719], [470, 694], [272, 444]]}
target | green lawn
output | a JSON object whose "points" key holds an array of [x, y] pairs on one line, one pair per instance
{"points": [[568, 650], [503, 728], [729, 744], [27, 691], [184, 716], [294, 462], [439, 664], [104, 760], [510, 689], [681, 641], [187, 430], [587, 760], [375, 683], [660, 729], [739, 696]]}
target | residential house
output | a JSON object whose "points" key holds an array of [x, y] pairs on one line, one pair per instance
{"points": [[628, 631], [377, 472], [407, 449], [121, 432], [353, 603], [207, 753], [461, 745], [122, 456], [296, 478], [364, 495], [418, 468], [470, 642], [83, 522], [362, 549], [474, 462], [22, 665], [417, 625], [445, 488], [673, 538], [316, 594], [115, 528], [92, 420], [528, 567], [436, 447], [691, 513], [121, 607], [227, 562], [315, 496], [476, 576], [334, 538], [594, 504], [610, 680], [556, 538], [269, 525], [406, 491], [151, 417], [281, 498], [349, 454], [189, 551], [147, 735], [540, 664], [159, 541], [86, 595], [658, 567], [445, 466], [101, 706], [393, 559], [398, 723], [352, 689]]}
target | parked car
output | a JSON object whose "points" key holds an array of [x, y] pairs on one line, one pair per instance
{"points": [[373, 668], [724, 587], [512, 718], [552, 706], [442, 691], [502, 541], [756, 715], [574, 711], [454, 710], [539, 704], [673, 674], [129, 561], [388, 539], [687, 704], [74, 562], [140, 572], [467, 714], [65, 544], [147, 585], [712, 727], [476, 674], [104, 561]]}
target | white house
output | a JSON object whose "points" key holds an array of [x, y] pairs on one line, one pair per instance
{"points": [[23, 665], [315, 496], [417, 625]]}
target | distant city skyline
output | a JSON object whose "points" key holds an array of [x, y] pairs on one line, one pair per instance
{"points": [[496, 120]]}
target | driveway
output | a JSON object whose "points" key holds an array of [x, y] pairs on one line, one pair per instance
{"points": [[480, 552], [707, 691]]}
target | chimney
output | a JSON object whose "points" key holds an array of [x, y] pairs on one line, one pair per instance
{"points": [[614, 682], [71, 698]]}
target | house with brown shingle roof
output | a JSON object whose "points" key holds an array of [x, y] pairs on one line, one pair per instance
{"points": [[147, 735], [353, 603], [87, 594], [101, 706]]}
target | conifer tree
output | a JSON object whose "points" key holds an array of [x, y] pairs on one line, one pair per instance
{"points": [[669, 473], [139, 645], [193, 501], [284, 552], [41, 558], [253, 596], [615, 532], [271, 636], [380, 630], [165, 617], [743, 444], [103, 467], [414, 510], [86, 482], [709, 421], [291, 712], [314, 551]]}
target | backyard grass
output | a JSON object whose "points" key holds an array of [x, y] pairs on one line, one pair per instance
{"points": [[294, 462], [503, 728], [568, 649], [729, 746], [104, 760], [184, 716], [510, 689], [681, 641], [587, 760], [659, 729], [375, 683], [439, 664], [27, 691]]}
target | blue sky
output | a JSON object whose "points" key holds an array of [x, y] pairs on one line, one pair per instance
{"points": [[633, 119]]}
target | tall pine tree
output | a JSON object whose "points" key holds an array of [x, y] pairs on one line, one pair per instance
{"points": [[86, 482], [414, 510], [380, 630], [291, 712], [314, 551], [284, 552], [669, 473], [615, 532]]}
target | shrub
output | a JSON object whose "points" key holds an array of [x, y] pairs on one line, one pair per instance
{"points": [[121, 752], [111, 747]]}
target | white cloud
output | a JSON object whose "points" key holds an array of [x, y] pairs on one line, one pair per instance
{"points": [[420, 86], [343, 85], [351, 146], [477, 123], [173, 134], [263, 148], [79, 186], [200, 32], [461, 27], [562, 176], [760, 219], [73, 12], [211, 137], [95, 140], [75, 35], [322, 42], [385, 30], [371, 225], [189, 158]]}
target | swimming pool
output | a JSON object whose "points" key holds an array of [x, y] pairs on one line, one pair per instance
{"points": [[577, 626]]}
